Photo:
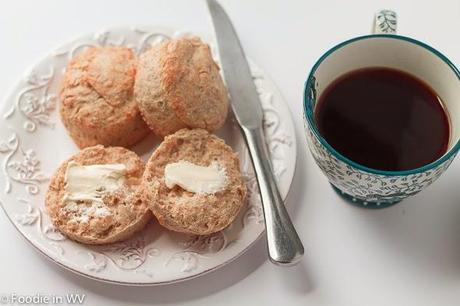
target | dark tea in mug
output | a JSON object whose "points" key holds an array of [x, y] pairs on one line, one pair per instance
{"points": [[383, 119]]}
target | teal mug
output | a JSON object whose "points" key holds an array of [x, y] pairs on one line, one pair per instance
{"points": [[363, 186]]}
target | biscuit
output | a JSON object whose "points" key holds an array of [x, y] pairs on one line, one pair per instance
{"points": [[151, 95], [96, 98], [178, 85], [122, 212], [187, 212]]}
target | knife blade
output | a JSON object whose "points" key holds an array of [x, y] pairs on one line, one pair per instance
{"points": [[246, 106], [284, 245]]}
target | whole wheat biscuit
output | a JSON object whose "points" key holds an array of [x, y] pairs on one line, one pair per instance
{"points": [[151, 95], [97, 105], [125, 210], [178, 85], [187, 212]]}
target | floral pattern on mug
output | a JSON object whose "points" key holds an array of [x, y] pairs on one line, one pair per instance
{"points": [[368, 187]]}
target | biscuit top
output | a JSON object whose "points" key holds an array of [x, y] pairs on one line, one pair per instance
{"points": [[194, 178], [86, 186], [98, 87], [178, 85]]}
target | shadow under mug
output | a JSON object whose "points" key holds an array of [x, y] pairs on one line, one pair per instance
{"points": [[363, 186]]}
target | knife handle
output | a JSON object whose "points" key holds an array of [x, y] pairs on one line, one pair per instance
{"points": [[284, 245]]}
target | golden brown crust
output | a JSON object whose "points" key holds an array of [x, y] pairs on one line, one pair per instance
{"points": [[151, 96], [97, 105], [197, 93], [178, 85], [129, 213], [183, 211]]}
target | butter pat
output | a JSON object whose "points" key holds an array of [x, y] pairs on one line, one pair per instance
{"points": [[194, 178], [88, 184]]}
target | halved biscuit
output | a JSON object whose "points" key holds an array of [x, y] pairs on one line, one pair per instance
{"points": [[94, 196], [97, 105], [183, 211], [178, 85]]}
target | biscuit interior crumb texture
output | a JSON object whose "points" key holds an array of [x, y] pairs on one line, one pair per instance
{"points": [[94, 197], [96, 98], [188, 212], [178, 85]]}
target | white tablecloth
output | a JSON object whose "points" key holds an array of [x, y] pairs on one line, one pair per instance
{"points": [[408, 254]]}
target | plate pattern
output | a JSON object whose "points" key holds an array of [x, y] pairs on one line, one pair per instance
{"points": [[31, 129], [23, 169]]}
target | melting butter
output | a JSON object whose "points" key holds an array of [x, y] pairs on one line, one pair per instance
{"points": [[194, 178], [88, 184]]}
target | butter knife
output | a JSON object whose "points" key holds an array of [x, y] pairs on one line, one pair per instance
{"points": [[284, 245]]}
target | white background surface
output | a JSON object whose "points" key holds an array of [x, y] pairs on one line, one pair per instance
{"points": [[408, 254]]}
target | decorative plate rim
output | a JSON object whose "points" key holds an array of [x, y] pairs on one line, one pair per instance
{"points": [[134, 284]]}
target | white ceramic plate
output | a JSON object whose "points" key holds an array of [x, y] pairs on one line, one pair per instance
{"points": [[33, 142]]}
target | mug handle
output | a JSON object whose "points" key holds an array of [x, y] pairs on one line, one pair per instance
{"points": [[385, 22]]}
